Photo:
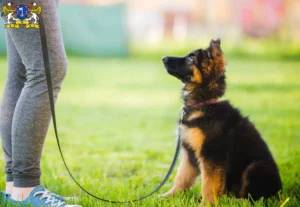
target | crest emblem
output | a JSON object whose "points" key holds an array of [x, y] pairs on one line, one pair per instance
{"points": [[16, 15], [22, 11]]}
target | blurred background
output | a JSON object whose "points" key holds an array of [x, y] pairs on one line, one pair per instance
{"points": [[139, 27], [118, 107]]}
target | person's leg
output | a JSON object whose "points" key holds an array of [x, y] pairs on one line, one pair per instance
{"points": [[15, 81], [32, 113]]}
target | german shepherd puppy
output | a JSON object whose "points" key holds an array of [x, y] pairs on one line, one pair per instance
{"points": [[216, 139]]}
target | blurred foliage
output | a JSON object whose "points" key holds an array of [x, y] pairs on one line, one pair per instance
{"points": [[268, 49]]}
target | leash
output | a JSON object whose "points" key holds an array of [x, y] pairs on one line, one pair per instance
{"points": [[50, 93]]}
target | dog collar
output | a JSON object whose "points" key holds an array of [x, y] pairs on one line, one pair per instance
{"points": [[188, 108]]}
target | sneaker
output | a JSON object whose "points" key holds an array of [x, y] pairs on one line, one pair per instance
{"points": [[40, 197], [74, 198], [56, 196], [3, 196], [63, 198]]}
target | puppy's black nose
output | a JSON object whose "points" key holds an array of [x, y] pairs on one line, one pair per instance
{"points": [[165, 59]]}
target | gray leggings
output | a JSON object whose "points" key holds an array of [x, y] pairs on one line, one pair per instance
{"points": [[24, 111]]}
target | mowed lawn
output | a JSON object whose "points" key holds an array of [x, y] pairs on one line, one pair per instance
{"points": [[117, 119]]}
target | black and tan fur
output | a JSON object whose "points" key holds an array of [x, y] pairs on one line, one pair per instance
{"points": [[216, 139]]}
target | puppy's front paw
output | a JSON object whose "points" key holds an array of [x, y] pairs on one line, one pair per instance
{"points": [[171, 192], [205, 203], [167, 194]]}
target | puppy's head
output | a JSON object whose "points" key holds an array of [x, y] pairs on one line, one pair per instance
{"points": [[202, 69]]}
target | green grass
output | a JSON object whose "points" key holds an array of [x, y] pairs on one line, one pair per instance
{"points": [[117, 118]]}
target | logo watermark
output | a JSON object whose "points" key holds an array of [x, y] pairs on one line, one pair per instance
{"points": [[20, 14]]}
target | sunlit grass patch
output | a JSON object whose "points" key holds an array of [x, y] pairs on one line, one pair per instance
{"points": [[117, 118]]}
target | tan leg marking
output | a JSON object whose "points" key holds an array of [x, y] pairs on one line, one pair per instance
{"points": [[245, 182], [213, 182], [186, 176]]}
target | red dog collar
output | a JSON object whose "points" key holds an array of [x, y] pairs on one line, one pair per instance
{"points": [[188, 108]]}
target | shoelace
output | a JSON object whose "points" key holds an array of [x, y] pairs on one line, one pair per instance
{"points": [[49, 198]]}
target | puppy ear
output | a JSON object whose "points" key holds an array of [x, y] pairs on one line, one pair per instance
{"points": [[216, 42], [215, 48]]}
